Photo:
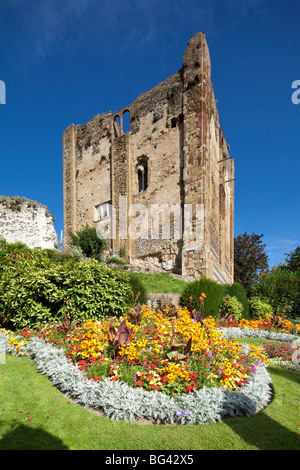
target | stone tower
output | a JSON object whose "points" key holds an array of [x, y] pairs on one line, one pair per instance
{"points": [[163, 190]]}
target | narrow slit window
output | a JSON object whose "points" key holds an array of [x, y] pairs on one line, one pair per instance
{"points": [[143, 176]]}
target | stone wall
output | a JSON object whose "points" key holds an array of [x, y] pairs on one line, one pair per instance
{"points": [[26, 221], [162, 300], [176, 148]]}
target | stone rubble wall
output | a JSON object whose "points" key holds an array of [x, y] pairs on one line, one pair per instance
{"points": [[162, 300], [26, 221]]}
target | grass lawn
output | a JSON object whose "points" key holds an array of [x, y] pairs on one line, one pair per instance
{"points": [[162, 283], [34, 415]]}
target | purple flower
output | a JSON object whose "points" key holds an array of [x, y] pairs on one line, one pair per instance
{"points": [[182, 413]]}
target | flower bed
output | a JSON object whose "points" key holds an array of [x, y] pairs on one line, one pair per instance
{"points": [[118, 400], [268, 323], [167, 351], [164, 366], [286, 355]]}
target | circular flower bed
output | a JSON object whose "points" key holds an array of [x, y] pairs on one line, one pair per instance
{"points": [[168, 366], [167, 351]]}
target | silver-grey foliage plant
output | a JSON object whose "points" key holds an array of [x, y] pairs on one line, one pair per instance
{"points": [[235, 332]]}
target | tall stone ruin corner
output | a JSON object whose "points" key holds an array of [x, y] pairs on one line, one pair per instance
{"points": [[166, 148]]}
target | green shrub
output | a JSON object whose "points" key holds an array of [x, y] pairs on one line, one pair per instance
{"points": [[35, 291], [137, 285], [116, 260], [122, 252], [77, 253], [237, 290], [281, 288], [259, 307], [234, 307], [56, 255], [214, 294], [88, 240], [10, 253]]}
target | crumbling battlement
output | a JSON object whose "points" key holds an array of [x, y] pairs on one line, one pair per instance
{"points": [[164, 188]]}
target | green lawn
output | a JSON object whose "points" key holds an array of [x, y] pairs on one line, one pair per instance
{"points": [[35, 415], [162, 283]]}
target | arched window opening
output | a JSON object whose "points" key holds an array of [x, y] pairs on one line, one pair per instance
{"points": [[126, 121], [117, 126]]}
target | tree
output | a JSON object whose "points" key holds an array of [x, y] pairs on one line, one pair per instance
{"points": [[293, 260], [281, 289], [250, 260]]}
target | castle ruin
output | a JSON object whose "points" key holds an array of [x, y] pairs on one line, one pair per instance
{"points": [[26, 221], [162, 189]]}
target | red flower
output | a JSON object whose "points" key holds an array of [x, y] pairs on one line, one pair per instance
{"points": [[193, 376]]}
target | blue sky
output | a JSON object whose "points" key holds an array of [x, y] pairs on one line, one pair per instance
{"points": [[64, 61]]}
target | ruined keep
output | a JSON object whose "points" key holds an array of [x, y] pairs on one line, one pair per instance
{"points": [[164, 189]]}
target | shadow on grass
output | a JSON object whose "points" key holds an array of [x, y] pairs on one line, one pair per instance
{"points": [[25, 438], [264, 433], [285, 373]]}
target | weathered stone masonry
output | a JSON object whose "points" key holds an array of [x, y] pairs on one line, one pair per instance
{"points": [[26, 221], [175, 154]]}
